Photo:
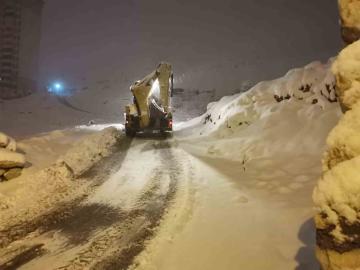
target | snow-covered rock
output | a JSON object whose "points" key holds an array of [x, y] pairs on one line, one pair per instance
{"points": [[347, 73], [9, 159]]}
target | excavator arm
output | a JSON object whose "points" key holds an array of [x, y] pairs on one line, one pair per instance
{"points": [[152, 107]]}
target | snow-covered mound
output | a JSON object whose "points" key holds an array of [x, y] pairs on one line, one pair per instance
{"points": [[89, 151], [55, 184], [44, 112], [294, 112]]}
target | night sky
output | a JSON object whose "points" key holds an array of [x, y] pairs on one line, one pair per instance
{"points": [[102, 39]]}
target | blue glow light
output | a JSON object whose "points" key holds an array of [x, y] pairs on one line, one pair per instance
{"points": [[58, 86]]}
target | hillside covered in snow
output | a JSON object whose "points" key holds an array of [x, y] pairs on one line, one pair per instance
{"points": [[292, 113]]}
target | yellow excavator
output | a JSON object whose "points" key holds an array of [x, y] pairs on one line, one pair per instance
{"points": [[151, 107]]}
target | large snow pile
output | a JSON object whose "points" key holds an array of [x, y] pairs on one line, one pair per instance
{"points": [[292, 113], [55, 184], [11, 163], [337, 193]]}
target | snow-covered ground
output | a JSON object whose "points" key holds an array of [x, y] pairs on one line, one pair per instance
{"points": [[242, 175], [54, 161]]}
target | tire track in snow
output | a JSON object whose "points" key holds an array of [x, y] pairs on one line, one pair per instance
{"points": [[117, 246], [66, 103], [107, 238], [57, 213]]}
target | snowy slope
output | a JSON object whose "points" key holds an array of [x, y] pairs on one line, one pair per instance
{"points": [[57, 159], [43, 112], [292, 113]]}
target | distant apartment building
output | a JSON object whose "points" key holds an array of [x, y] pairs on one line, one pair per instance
{"points": [[20, 31]]}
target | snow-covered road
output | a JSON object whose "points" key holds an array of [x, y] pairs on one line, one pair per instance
{"points": [[232, 222], [108, 227], [167, 207]]}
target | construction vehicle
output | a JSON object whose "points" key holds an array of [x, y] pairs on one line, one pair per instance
{"points": [[151, 107]]}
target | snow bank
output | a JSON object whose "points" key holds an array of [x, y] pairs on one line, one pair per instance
{"points": [[347, 72], [313, 84], [90, 150], [292, 113], [55, 184]]}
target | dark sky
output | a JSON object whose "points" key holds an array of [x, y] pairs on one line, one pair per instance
{"points": [[103, 38]]}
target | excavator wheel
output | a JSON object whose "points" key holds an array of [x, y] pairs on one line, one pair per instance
{"points": [[130, 132]]}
